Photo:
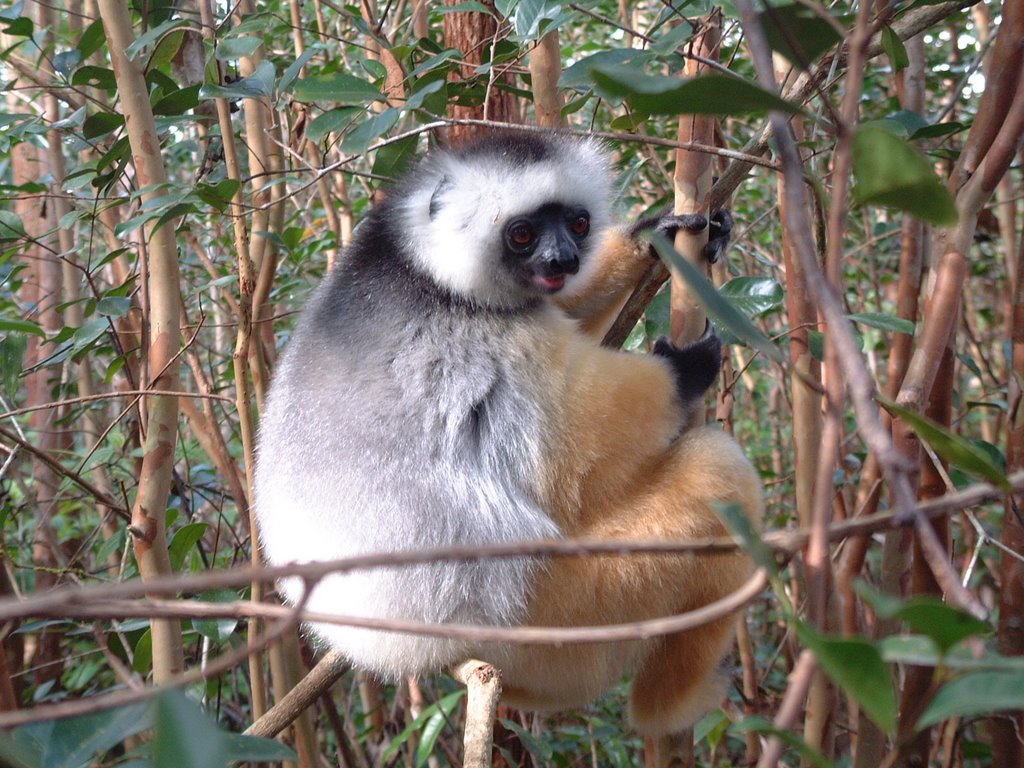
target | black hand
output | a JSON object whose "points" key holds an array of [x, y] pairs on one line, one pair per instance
{"points": [[696, 365], [669, 224]]}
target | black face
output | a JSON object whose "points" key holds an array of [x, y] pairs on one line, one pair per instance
{"points": [[544, 246]]}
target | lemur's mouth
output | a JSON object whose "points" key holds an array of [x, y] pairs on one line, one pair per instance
{"points": [[551, 284]]}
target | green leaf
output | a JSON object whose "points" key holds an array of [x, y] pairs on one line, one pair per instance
{"points": [[218, 196], [536, 17], [12, 359], [92, 39], [736, 322], [338, 87], [358, 140], [892, 173], [943, 624], [236, 47], [712, 94], [11, 226], [921, 651], [185, 538], [857, 667], [883, 322], [742, 529], [95, 77], [445, 705], [114, 306], [753, 295], [428, 737], [260, 84], [184, 736], [395, 157], [218, 630], [177, 102], [949, 445], [64, 63], [938, 130], [296, 67], [894, 49], [256, 749], [798, 33], [579, 75], [151, 36], [101, 123], [77, 741], [17, 325], [755, 724], [975, 693], [332, 121]]}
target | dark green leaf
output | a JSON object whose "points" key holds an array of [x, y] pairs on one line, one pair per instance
{"points": [[114, 306], [101, 123], [894, 49], [883, 322], [95, 77], [92, 39], [724, 313], [184, 736], [949, 445], [178, 102], [183, 542], [857, 667], [798, 33], [938, 130], [446, 704], [975, 693], [338, 87], [20, 27], [892, 173], [712, 94]]}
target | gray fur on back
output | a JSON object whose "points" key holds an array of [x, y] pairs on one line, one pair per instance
{"points": [[403, 416]]}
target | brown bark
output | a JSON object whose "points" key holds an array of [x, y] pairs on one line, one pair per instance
{"points": [[162, 282], [474, 34]]}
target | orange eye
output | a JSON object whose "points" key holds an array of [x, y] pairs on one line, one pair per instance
{"points": [[580, 225], [521, 234]]}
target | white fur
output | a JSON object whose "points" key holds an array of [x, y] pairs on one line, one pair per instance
{"points": [[460, 247]]}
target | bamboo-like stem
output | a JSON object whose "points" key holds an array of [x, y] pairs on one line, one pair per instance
{"points": [[240, 357], [483, 688], [545, 69], [148, 528]]}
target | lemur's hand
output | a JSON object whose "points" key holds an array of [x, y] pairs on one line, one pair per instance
{"points": [[668, 224]]}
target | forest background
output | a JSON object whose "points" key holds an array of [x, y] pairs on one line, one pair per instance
{"points": [[178, 176]]}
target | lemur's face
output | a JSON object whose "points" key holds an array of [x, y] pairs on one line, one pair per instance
{"points": [[544, 247]]}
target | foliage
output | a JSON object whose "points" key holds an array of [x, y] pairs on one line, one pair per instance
{"points": [[324, 106]]}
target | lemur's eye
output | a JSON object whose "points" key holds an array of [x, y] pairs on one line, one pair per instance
{"points": [[520, 234], [580, 225]]}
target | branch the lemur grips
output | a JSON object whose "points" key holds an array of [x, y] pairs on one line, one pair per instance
{"points": [[446, 385]]}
